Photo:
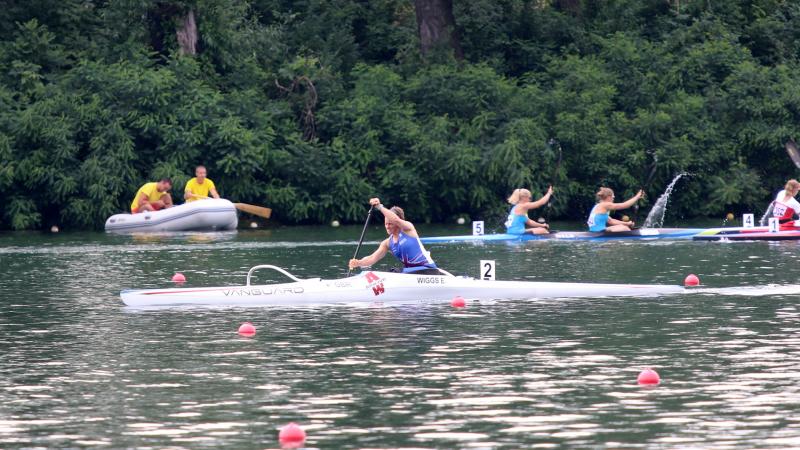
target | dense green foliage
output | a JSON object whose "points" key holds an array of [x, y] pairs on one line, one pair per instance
{"points": [[312, 106]]}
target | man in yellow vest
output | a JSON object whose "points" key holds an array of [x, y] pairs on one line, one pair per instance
{"points": [[152, 196], [199, 187]]}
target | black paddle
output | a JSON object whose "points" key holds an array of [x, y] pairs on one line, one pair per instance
{"points": [[646, 185], [361, 239], [552, 179]]}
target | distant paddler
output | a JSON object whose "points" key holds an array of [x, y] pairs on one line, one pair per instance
{"points": [[152, 196], [599, 219], [199, 187], [518, 221], [403, 243], [786, 207]]}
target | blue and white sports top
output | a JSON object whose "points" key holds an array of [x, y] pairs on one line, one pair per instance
{"points": [[597, 222], [515, 223], [410, 251]]}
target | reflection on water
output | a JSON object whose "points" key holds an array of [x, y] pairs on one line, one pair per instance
{"points": [[188, 237], [79, 370]]}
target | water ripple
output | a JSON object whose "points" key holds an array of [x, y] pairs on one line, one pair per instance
{"points": [[79, 370]]}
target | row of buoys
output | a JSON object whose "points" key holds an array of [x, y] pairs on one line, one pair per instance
{"points": [[690, 280], [291, 435]]}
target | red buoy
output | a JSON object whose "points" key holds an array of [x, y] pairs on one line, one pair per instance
{"points": [[247, 329], [178, 278], [292, 435], [691, 280], [458, 302], [648, 376]]}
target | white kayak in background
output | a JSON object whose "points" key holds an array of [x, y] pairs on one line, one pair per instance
{"points": [[382, 288], [201, 215]]}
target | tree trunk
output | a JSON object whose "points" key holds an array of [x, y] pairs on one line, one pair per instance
{"points": [[437, 26], [570, 6], [187, 34], [162, 17]]}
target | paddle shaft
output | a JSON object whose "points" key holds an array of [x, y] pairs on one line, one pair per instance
{"points": [[794, 153], [553, 180], [361, 239], [644, 188]]}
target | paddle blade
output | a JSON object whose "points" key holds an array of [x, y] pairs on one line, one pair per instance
{"points": [[794, 153], [254, 210]]}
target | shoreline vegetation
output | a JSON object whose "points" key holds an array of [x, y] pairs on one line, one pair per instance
{"points": [[441, 106]]}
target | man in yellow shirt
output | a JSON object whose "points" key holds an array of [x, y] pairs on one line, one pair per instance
{"points": [[199, 187], [152, 196]]}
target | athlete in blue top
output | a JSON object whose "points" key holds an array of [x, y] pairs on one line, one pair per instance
{"points": [[518, 221], [598, 218], [403, 243]]}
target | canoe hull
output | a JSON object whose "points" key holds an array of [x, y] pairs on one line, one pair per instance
{"points": [[640, 234], [750, 236], [383, 288], [202, 215], [792, 233]]}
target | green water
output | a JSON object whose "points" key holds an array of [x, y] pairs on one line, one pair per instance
{"points": [[79, 370]]}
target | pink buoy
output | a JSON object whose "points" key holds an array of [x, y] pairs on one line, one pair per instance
{"points": [[458, 302], [247, 329], [691, 280], [178, 278], [648, 376], [292, 435]]}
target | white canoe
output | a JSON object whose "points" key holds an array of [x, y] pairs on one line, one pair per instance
{"points": [[382, 288], [202, 215]]}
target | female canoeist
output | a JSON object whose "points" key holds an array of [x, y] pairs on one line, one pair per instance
{"points": [[403, 242], [599, 220], [785, 207], [518, 220]]}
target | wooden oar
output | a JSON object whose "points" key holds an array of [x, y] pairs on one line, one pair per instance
{"points": [[361, 239], [260, 211]]}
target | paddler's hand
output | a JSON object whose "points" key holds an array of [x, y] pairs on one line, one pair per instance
{"points": [[640, 194], [374, 202], [353, 264], [550, 190]]}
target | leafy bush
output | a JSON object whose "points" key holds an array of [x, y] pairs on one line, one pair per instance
{"points": [[312, 107]]}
